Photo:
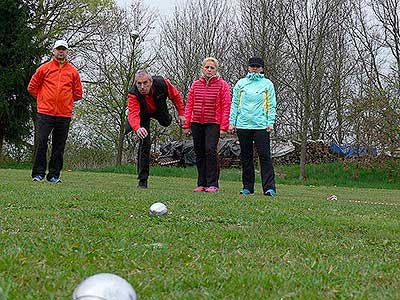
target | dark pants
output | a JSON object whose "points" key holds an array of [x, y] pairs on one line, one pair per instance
{"points": [[262, 141], [205, 142], [59, 127], [143, 160]]}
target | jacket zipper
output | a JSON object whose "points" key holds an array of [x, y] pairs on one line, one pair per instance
{"points": [[58, 88], [204, 103]]}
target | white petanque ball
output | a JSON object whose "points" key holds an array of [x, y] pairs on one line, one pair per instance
{"points": [[158, 209], [331, 198], [104, 286]]}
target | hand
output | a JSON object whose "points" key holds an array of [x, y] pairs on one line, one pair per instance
{"points": [[181, 120], [222, 134], [187, 131], [232, 129], [270, 128], [141, 133]]}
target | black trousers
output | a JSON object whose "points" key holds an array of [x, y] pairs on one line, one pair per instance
{"points": [[205, 142], [58, 127], [143, 160], [261, 139]]}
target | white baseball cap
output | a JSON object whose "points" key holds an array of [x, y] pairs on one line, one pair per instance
{"points": [[60, 43]]}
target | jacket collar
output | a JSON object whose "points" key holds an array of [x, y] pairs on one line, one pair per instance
{"points": [[255, 76], [212, 79], [58, 64]]}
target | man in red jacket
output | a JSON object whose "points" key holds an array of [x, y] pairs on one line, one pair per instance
{"points": [[56, 85], [147, 99]]}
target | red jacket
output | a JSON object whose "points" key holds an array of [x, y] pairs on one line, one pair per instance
{"points": [[134, 105], [208, 102], [56, 88]]}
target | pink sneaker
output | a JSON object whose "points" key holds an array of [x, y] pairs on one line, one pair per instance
{"points": [[199, 189], [212, 189]]}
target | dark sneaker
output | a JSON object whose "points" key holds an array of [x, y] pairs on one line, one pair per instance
{"points": [[246, 192], [270, 193], [142, 184], [54, 179], [37, 178]]}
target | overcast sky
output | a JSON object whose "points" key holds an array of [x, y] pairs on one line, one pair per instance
{"points": [[164, 6]]}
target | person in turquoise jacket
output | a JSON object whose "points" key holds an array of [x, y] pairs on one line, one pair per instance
{"points": [[252, 117]]}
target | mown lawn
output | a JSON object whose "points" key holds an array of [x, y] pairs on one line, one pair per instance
{"points": [[210, 246], [378, 173]]}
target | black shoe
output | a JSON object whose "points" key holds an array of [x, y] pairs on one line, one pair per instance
{"points": [[38, 178], [54, 179], [142, 184]]}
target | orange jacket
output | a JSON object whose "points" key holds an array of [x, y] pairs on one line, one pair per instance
{"points": [[56, 88]]}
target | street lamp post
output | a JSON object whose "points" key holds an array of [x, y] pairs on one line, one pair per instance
{"points": [[134, 36]]}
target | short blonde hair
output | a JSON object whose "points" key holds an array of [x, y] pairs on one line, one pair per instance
{"points": [[213, 60]]}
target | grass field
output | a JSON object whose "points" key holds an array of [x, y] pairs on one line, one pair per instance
{"points": [[210, 246], [380, 174]]}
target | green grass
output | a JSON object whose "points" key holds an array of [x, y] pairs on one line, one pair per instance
{"points": [[384, 175], [378, 174], [210, 246]]}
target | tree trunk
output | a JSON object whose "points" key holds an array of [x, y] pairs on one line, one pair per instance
{"points": [[1, 141], [35, 134], [339, 107], [120, 145], [339, 117], [303, 151], [304, 130]]}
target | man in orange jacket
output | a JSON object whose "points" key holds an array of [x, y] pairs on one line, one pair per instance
{"points": [[56, 85]]}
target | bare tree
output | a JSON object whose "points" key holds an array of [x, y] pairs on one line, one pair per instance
{"points": [[309, 26], [198, 29], [387, 13], [376, 104], [73, 20], [340, 69]]}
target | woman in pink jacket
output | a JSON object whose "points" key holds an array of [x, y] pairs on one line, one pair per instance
{"points": [[207, 119]]}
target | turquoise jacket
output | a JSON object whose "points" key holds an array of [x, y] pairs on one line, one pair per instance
{"points": [[253, 103]]}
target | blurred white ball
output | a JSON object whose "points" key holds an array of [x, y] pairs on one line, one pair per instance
{"points": [[331, 198], [104, 286], [158, 209]]}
